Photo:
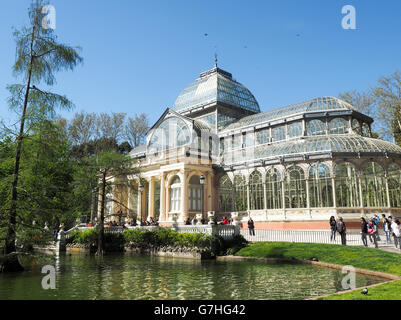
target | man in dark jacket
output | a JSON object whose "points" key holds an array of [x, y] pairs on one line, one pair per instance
{"points": [[364, 231], [341, 229], [251, 227]]}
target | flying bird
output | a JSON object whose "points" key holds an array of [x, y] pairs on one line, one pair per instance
{"points": [[206, 34], [365, 291]]}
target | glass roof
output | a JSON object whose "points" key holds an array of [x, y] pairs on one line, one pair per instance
{"points": [[310, 145], [214, 86], [321, 104]]}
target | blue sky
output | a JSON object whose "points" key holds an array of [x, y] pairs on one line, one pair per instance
{"points": [[139, 55]]}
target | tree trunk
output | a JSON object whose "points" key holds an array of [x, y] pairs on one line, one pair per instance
{"points": [[11, 232], [10, 263], [100, 242]]}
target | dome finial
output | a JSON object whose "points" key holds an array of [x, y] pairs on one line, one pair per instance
{"points": [[215, 59]]}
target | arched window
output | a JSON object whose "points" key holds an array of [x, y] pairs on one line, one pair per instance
{"points": [[373, 185], [338, 126], [225, 192], [274, 198], [195, 194], [315, 128], [356, 126], [240, 193], [365, 130], [295, 188], [175, 194], [171, 133], [320, 186], [394, 185], [109, 204], [256, 191], [347, 185]]}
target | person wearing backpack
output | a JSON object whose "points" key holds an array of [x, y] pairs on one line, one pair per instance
{"points": [[341, 229]]}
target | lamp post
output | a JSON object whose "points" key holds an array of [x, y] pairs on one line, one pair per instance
{"points": [[202, 182], [141, 190]]}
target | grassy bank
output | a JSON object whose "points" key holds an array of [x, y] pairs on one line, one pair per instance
{"points": [[358, 257]]}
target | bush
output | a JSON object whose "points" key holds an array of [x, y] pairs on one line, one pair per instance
{"points": [[229, 247], [166, 237]]}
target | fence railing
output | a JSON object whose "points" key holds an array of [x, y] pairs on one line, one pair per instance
{"points": [[307, 236], [225, 231]]}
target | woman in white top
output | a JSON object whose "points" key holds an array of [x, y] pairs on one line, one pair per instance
{"points": [[395, 229]]}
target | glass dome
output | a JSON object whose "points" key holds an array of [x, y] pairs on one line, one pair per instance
{"points": [[216, 86]]}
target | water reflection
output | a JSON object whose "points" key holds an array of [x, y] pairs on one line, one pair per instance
{"points": [[138, 277]]}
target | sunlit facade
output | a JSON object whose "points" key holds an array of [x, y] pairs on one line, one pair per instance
{"points": [[290, 167]]}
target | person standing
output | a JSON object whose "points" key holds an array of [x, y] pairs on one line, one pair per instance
{"points": [[333, 228], [342, 229], [386, 228], [372, 230], [395, 230], [364, 231], [251, 227]]}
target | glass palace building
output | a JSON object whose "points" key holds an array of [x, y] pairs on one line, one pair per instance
{"points": [[291, 167]]}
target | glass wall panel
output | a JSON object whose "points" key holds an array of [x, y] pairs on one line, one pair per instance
{"points": [[347, 185], [274, 198], [225, 192], [315, 128], [295, 188], [278, 133], [249, 139], [295, 129], [263, 136], [175, 195], [171, 133], [394, 185], [256, 191], [320, 186], [356, 126], [240, 193], [338, 126], [373, 185]]}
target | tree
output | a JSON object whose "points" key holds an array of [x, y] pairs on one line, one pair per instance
{"points": [[388, 95], [110, 126], [364, 102], [111, 166], [82, 128], [38, 57], [136, 129]]}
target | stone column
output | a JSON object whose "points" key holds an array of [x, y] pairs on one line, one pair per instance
{"points": [[139, 210], [162, 198], [387, 192], [129, 207], [333, 183], [283, 196], [308, 198], [184, 196], [360, 193], [209, 191], [151, 196]]}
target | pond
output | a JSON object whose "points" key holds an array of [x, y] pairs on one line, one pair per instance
{"points": [[125, 276]]}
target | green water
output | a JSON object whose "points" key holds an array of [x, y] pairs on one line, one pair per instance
{"points": [[142, 277]]}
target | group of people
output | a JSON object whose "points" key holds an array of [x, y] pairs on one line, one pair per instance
{"points": [[370, 229], [340, 227]]}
